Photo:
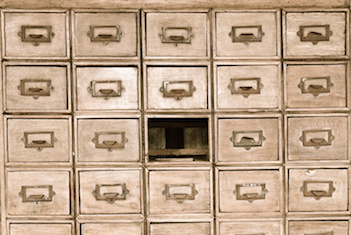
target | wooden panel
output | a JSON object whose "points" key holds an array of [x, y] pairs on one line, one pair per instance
{"points": [[250, 227], [318, 227], [41, 228], [111, 228], [180, 228]]}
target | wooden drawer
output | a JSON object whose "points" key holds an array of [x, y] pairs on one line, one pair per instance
{"points": [[111, 228], [177, 87], [176, 34], [250, 227], [35, 34], [110, 191], [243, 86], [38, 140], [105, 34], [316, 33], [37, 87], [40, 227], [249, 190], [337, 227], [106, 87], [179, 191], [316, 85], [38, 192], [107, 139], [180, 228], [323, 137], [317, 190], [248, 139], [247, 34]]}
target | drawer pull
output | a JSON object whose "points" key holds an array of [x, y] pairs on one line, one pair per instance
{"points": [[315, 85], [326, 233], [36, 34], [247, 139], [106, 89], [177, 89], [110, 192], [37, 193], [180, 192], [314, 33], [246, 34], [317, 189], [35, 87], [39, 140], [316, 138], [110, 140], [176, 35], [250, 192], [245, 86], [105, 34]]}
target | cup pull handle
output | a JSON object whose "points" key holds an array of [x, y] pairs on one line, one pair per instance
{"points": [[110, 140], [316, 192], [110, 192], [177, 89], [40, 193], [105, 34], [176, 35], [247, 139], [35, 88], [317, 138], [314, 33], [245, 86], [39, 140], [36, 34], [246, 34], [106, 89], [180, 192], [315, 85], [254, 192]]}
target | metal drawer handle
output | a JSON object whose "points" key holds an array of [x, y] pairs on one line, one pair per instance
{"points": [[317, 189], [37, 193], [110, 192], [245, 86], [180, 192], [106, 89], [314, 33], [247, 139], [35, 87], [39, 140], [105, 34], [36, 34], [326, 233], [176, 35], [110, 140], [177, 89], [250, 192], [316, 138], [246, 34], [315, 85]]}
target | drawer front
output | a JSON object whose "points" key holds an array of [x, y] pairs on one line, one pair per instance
{"points": [[247, 34], [105, 34], [35, 34], [318, 227], [176, 34], [38, 193], [248, 227], [176, 228], [316, 34], [38, 140], [248, 139], [110, 192], [317, 138], [107, 88], [249, 191], [316, 86], [37, 88], [108, 140], [111, 228], [179, 191], [248, 86], [177, 88], [40, 228], [318, 190]]}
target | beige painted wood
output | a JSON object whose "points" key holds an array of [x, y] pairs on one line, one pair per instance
{"points": [[180, 181], [34, 75], [14, 47], [127, 75], [336, 46], [115, 228], [337, 149], [89, 179], [335, 98], [250, 227], [17, 152], [40, 228], [228, 201], [318, 227], [175, 228], [58, 206], [126, 47], [299, 203], [156, 76], [87, 151], [196, 46], [268, 151], [267, 47], [269, 93]]}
